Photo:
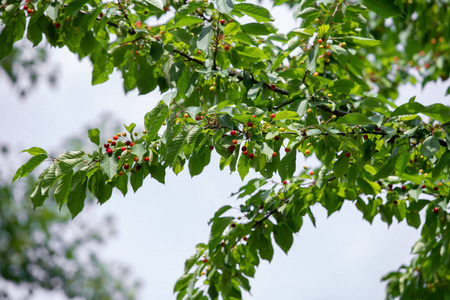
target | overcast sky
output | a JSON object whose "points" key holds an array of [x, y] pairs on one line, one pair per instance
{"points": [[343, 258]]}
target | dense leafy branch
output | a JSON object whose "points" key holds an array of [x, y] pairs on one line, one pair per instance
{"points": [[261, 100]]}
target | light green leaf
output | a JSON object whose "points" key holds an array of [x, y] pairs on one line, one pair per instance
{"points": [[286, 115], [355, 119], [383, 8], [204, 38], [29, 166], [154, 120], [259, 13], [109, 165], [35, 151], [94, 136], [430, 146], [225, 6], [63, 188], [362, 42], [139, 150], [232, 28], [187, 21]]}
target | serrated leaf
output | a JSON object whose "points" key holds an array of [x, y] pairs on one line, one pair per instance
{"points": [[259, 13], [29, 166], [154, 120], [63, 188], [355, 119], [232, 28], [94, 136], [225, 6], [283, 237], [109, 165], [286, 167], [308, 11], [204, 38], [311, 59], [430, 146], [139, 150], [286, 115], [362, 42], [175, 147], [35, 151], [73, 7], [187, 21], [75, 200], [136, 180]]}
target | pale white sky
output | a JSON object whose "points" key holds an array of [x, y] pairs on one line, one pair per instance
{"points": [[343, 258]]}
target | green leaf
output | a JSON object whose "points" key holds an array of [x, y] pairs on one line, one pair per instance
{"points": [[75, 200], [430, 146], [286, 167], [225, 6], [29, 166], [283, 237], [63, 188], [258, 28], [311, 59], [62, 166], [383, 8], [187, 21], [286, 115], [174, 148], [158, 172], [159, 4], [204, 38], [154, 120], [35, 151], [362, 42], [344, 86], [139, 150], [340, 167], [136, 180], [109, 165], [122, 184], [52, 9], [259, 13], [232, 28], [73, 7], [94, 136], [308, 11], [355, 119]]}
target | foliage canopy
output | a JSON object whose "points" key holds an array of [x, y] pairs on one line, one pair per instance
{"points": [[261, 99]]}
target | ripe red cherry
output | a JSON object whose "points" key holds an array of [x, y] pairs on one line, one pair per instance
{"points": [[146, 158], [251, 155], [124, 149], [276, 138], [106, 145], [436, 188], [232, 132], [205, 260], [284, 182], [126, 166], [287, 150], [132, 144], [273, 87], [211, 147], [422, 186], [249, 124], [138, 167], [113, 143], [244, 148], [231, 148], [127, 143], [233, 225], [244, 152], [274, 154], [166, 8], [436, 210], [272, 115], [244, 238], [403, 188], [118, 157], [390, 186], [395, 202], [222, 21], [115, 137], [347, 154], [234, 142], [57, 25], [109, 150], [226, 47], [365, 137], [135, 158], [25, 7]]}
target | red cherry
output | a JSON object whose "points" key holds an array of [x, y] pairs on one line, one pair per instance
{"points": [[365, 137], [118, 157], [138, 167], [347, 154], [251, 155], [232, 148], [272, 115], [273, 87], [233, 225], [436, 210], [287, 150], [232, 132], [146, 158], [113, 143], [403, 188], [127, 143], [166, 8], [274, 154], [205, 260], [126, 166], [277, 138], [244, 238], [284, 182], [57, 25], [30, 11], [25, 7], [253, 116], [226, 47], [249, 124], [422, 186], [132, 144], [244, 152], [244, 148], [211, 147], [234, 142], [115, 137], [395, 202], [109, 150], [390, 186], [135, 158], [106, 145], [222, 21], [436, 188]]}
